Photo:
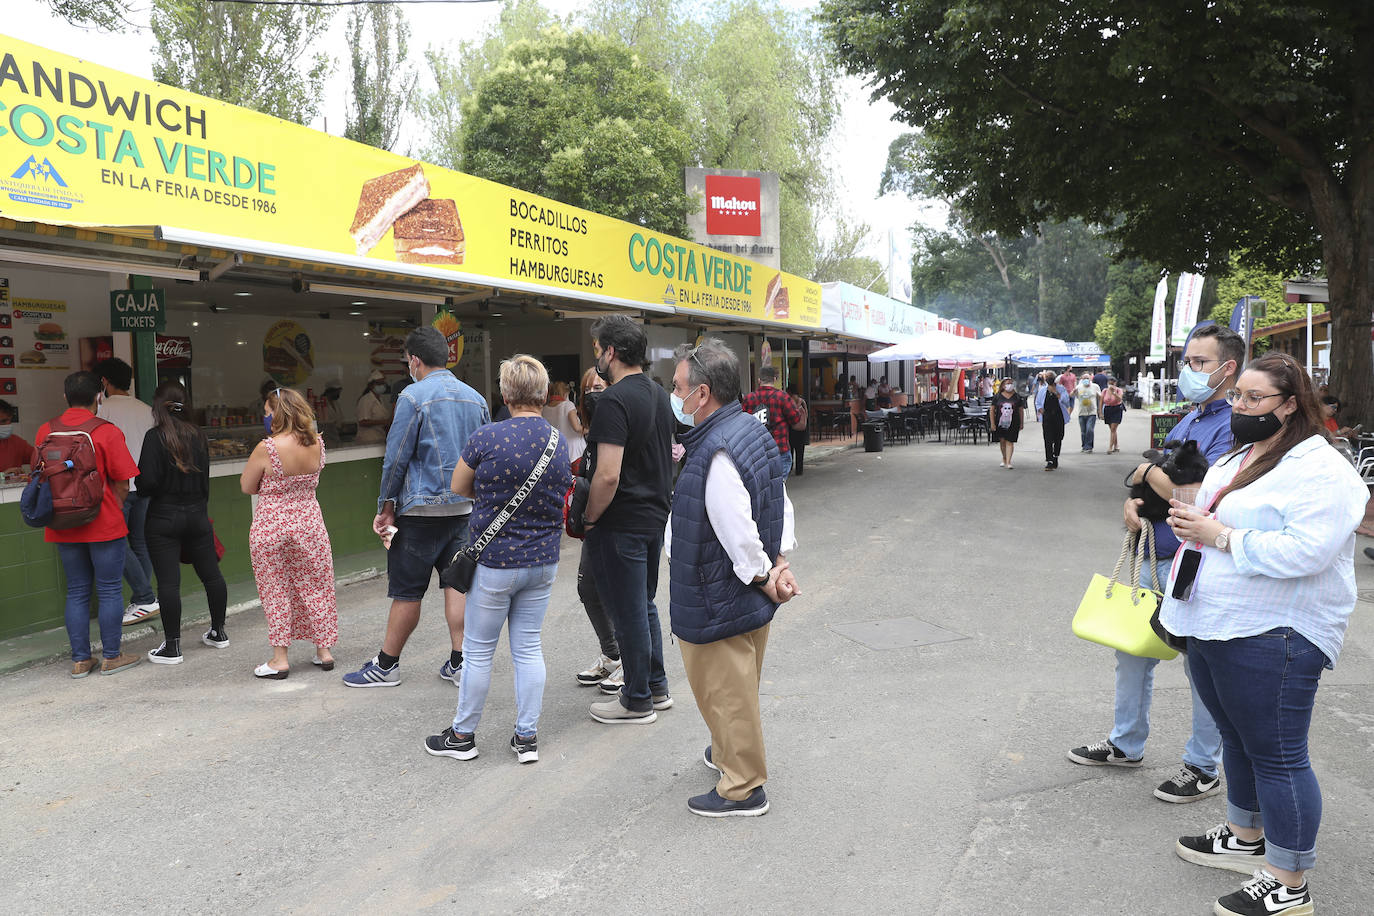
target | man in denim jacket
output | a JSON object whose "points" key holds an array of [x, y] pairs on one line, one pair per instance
{"points": [[433, 419]]}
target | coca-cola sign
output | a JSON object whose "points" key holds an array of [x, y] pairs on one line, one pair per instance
{"points": [[173, 352]]}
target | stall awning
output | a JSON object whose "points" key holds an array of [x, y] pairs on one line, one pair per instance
{"points": [[1066, 360]]}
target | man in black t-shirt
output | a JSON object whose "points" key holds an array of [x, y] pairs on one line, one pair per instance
{"points": [[627, 509]]}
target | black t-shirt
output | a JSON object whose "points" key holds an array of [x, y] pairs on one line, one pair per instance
{"points": [[1005, 413], [635, 413]]}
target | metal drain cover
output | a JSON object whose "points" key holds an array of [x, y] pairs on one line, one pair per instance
{"points": [[896, 633]]}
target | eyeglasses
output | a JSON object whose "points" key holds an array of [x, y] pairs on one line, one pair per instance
{"points": [[1198, 363], [1250, 399]]}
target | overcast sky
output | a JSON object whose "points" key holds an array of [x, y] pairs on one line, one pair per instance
{"points": [[859, 148]]}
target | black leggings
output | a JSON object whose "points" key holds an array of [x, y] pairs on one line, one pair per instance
{"points": [[171, 528], [596, 611]]}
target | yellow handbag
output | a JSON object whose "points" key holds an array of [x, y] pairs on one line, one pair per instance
{"points": [[1118, 614]]}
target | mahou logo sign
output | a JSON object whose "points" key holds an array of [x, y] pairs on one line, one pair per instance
{"points": [[732, 205]]}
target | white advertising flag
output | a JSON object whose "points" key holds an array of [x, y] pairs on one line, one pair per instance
{"points": [[1186, 300], [898, 268], [1158, 330]]}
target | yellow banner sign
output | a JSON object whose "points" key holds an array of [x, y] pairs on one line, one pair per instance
{"points": [[82, 144]]}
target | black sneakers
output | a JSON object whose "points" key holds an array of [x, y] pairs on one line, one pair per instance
{"points": [[1103, 754], [1265, 895], [1188, 785], [450, 744], [526, 750], [1220, 848], [712, 805]]}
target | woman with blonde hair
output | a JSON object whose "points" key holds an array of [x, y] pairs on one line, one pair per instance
{"points": [[293, 560], [516, 470]]}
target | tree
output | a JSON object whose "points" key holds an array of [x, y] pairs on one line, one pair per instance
{"points": [[1125, 326], [457, 72], [382, 82], [577, 117], [259, 57], [1201, 128], [110, 15], [839, 258]]}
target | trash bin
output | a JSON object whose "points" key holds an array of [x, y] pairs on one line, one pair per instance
{"points": [[1136, 402], [873, 437]]}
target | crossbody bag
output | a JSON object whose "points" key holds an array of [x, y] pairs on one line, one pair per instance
{"points": [[460, 570]]}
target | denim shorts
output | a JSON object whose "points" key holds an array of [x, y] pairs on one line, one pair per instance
{"points": [[423, 544]]}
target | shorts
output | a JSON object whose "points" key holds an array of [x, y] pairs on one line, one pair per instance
{"points": [[1111, 414], [423, 544]]}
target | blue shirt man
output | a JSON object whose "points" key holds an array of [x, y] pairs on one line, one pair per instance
{"points": [[420, 520], [1212, 361]]}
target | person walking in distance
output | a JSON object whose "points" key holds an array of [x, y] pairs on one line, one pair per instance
{"points": [[1054, 414], [1211, 362], [134, 419], [293, 560], [433, 418], [627, 507], [727, 540], [1088, 398], [775, 409], [1005, 418], [174, 468], [92, 553], [1113, 408], [800, 434]]}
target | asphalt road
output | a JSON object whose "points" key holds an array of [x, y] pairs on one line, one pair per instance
{"points": [[927, 779]]}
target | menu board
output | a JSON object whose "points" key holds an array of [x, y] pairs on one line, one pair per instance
{"points": [[39, 329], [9, 384]]}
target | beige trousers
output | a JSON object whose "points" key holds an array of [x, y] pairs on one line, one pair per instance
{"points": [[724, 676]]}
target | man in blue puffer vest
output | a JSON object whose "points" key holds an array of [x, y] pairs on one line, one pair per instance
{"points": [[730, 530]]}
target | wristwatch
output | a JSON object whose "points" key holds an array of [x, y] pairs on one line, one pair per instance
{"points": [[1223, 541]]}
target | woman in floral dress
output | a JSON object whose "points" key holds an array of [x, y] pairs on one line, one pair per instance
{"points": [[292, 558]]}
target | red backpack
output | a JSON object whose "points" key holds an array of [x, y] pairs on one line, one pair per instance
{"points": [[68, 465]]}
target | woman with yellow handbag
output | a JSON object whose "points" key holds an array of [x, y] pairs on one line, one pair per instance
{"points": [[1264, 601]]}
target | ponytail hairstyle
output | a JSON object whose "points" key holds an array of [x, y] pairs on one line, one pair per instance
{"points": [[1291, 379], [181, 437], [291, 414]]}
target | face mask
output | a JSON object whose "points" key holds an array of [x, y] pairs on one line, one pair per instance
{"points": [[1248, 428], [589, 402], [1195, 385], [680, 411], [605, 373], [5, 429], [411, 372], [267, 423]]}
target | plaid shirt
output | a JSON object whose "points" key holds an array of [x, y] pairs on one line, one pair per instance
{"points": [[775, 409]]}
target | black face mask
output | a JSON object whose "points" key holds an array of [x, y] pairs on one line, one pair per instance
{"points": [[604, 373], [589, 402], [1250, 428]]}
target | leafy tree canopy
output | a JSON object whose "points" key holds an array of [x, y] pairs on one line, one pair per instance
{"points": [[259, 57], [1193, 130], [839, 258], [380, 93], [577, 117], [110, 15]]}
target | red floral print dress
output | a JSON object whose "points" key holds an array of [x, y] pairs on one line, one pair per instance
{"points": [[292, 557]]}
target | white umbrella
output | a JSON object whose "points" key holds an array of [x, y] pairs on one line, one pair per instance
{"points": [[1011, 344], [932, 345]]}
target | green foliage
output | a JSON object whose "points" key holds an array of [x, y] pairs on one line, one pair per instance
{"points": [[110, 15], [382, 83], [839, 258], [577, 117], [1124, 328], [258, 57]]}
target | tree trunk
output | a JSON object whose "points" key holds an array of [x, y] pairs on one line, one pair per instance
{"points": [[1042, 318], [1350, 289]]}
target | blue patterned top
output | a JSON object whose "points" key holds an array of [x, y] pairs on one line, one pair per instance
{"points": [[503, 455]]}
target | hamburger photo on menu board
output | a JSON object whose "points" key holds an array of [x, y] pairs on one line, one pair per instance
{"points": [[50, 331], [32, 358]]}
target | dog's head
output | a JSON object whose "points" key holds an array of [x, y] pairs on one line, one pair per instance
{"points": [[1185, 463]]}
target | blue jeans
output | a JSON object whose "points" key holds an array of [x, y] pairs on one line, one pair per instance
{"points": [[1086, 426], [94, 567], [138, 563], [497, 595], [1261, 690], [1135, 681], [625, 564]]}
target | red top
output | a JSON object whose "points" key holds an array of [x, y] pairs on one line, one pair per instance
{"points": [[775, 408], [113, 458], [14, 451], [1332, 426]]}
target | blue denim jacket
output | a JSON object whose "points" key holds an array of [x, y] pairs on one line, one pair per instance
{"points": [[431, 424]]}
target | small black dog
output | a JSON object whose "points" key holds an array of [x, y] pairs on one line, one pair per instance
{"points": [[1185, 466]]}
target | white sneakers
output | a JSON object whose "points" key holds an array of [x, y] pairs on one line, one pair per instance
{"points": [[136, 613]]}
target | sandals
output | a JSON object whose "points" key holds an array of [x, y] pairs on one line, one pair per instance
{"points": [[267, 672], [324, 665]]}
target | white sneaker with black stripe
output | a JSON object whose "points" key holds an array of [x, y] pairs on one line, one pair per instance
{"points": [[1220, 848], [1265, 895]]}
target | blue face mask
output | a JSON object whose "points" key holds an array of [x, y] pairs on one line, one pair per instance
{"points": [[267, 424], [1194, 385], [680, 411]]}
